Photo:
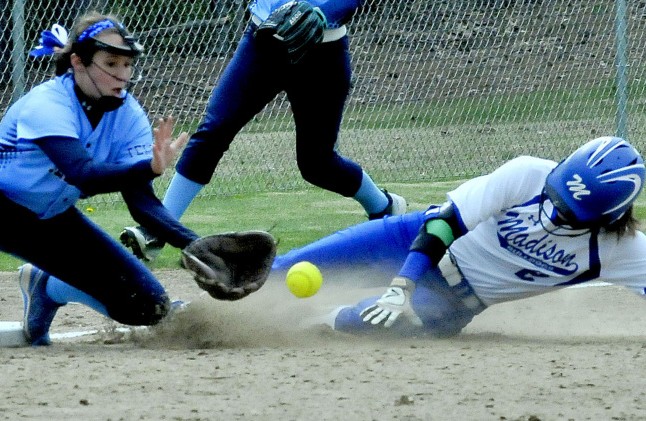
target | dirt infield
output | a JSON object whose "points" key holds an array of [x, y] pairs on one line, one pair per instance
{"points": [[578, 354]]}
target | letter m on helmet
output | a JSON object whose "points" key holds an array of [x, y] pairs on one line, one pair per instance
{"points": [[577, 187]]}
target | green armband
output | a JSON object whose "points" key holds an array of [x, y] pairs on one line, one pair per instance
{"points": [[441, 229], [437, 234]]}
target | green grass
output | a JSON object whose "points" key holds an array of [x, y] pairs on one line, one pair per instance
{"points": [[294, 218], [536, 106]]}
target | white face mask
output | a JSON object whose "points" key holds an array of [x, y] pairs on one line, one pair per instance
{"points": [[555, 222]]}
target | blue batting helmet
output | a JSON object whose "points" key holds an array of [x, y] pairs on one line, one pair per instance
{"points": [[597, 183]]}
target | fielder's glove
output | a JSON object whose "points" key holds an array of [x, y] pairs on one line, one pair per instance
{"points": [[230, 266], [294, 28], [395, 302]]}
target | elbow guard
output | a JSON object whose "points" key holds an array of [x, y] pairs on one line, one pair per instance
{"points": [[437, 233]]}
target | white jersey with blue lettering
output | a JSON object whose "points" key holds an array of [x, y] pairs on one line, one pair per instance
{"points": [[513, 251], [52, 109]]}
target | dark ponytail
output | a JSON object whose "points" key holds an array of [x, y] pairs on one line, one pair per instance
{"points": [[63, 62]]}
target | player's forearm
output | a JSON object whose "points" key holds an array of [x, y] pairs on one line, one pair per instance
{"points": [[436, 234], [147, 210], [112, 178], [415, 266], [91, 177]]}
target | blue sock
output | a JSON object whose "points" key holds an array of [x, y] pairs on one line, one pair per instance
{"points": [[180, 194], [63, 293], [370, 196]]}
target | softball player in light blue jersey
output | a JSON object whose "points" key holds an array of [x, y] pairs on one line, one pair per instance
{"points": [[317, 88], [74, 136], [528, 228]]}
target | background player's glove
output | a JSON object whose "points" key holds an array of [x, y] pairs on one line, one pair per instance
{"points": [[230, 266], [294, 27], [395, 302]]}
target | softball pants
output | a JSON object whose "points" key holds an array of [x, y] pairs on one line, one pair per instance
{"points": [[317, 88], [73, 249]]}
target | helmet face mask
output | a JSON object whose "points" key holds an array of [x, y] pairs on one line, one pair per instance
{"points": [[87, 44], [131, 49], [597, 184], [564, 216]]}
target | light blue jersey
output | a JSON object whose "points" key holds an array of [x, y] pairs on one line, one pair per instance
{"points": [[27, 175]]}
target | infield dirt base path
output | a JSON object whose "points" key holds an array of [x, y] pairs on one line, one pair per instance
{"points": [[578, 354]]}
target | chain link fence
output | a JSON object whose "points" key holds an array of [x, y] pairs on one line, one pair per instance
{"points": [[441, 90]]}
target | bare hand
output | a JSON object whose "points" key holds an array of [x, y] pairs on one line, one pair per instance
{"points": [[165, 149]]}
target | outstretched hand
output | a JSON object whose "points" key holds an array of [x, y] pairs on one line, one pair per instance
{"points": [[165, 148], [393, 304]]}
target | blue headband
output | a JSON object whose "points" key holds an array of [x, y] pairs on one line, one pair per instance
{"points": [[92, 30]]}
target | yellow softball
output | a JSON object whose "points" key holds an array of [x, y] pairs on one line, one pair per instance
{"points": [[304, 279]]}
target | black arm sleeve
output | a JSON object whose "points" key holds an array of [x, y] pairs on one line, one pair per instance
{"points": [[436, 234], [148, 211], [90, 176]]}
